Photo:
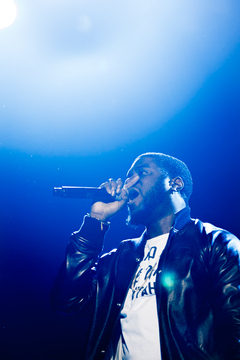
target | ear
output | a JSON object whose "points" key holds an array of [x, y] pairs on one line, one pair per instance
{"points": [[177, 184]]}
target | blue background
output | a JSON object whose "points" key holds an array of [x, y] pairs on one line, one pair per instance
{"points": [[203, 131]]}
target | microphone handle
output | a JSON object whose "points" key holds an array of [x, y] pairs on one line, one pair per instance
{"points": [[81, 192]]}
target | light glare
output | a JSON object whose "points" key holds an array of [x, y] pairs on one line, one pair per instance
{"points": [[168, 281], [8, 13], [91, 78]]}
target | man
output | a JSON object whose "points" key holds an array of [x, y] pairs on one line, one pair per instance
{"points": [[171, 294]]}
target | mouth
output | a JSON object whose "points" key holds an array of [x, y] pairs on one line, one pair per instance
{"points": [[133, 194]]}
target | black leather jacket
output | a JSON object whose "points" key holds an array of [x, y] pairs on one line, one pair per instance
{"points": [[199, 312]]}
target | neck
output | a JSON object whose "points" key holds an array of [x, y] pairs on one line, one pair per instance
{"points": [[163, 224], [160, 227]]}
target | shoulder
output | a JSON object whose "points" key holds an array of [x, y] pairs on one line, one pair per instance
{"points": [[215, 233], [129, 245], [216, 238]]}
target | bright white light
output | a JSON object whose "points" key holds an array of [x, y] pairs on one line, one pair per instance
{"points": [[91, 78], [84, 24], [8, 13]]}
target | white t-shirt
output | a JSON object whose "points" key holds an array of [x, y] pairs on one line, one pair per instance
{"points": [[139, 320]]}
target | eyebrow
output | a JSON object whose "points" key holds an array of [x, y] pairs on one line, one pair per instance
{"points": [[129, 173]]}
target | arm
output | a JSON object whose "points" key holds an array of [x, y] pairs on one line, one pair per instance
{"points": [[75, 283], [225, 271]]}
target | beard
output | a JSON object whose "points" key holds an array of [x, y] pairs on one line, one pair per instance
{"points": [[150, 203]]}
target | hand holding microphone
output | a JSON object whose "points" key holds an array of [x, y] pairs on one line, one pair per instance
{"points": [[119, 192], [109, 198]]}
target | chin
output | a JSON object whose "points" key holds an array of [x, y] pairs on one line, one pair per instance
{"points": [[136, 218]]}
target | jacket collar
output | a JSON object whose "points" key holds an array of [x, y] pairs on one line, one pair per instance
{"points": [[182, 218]]}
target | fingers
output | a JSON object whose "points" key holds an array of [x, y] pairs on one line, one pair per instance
{"points": [[113, 187], [124, 194], [131, 181], [116, 188], [104, 210], [119, 184]]}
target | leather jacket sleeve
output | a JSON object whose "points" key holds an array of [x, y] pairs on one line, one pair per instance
{"points": [[200, 314], [225, 275], [75, 283]]}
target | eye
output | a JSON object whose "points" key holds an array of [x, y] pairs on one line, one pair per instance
{"points": [[142, 172]]}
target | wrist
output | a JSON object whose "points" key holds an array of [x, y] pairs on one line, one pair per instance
{"points": [[93, 230], [99, 217]]}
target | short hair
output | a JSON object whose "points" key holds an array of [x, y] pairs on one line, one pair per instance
{"points": [[173, 167]]}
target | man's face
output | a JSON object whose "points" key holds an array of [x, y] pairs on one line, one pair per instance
{"points": [[147, 197]]}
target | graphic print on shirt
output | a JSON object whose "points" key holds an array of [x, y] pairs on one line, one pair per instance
{"points": [[139, 319], [145, 278]]}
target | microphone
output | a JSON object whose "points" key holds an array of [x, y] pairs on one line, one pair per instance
{"points": [[82, 192]]}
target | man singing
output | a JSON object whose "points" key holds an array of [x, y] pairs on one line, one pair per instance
{"points": [[173, 293]]}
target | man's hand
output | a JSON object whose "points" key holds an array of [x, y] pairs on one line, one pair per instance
{"points": [[119, 192]]}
